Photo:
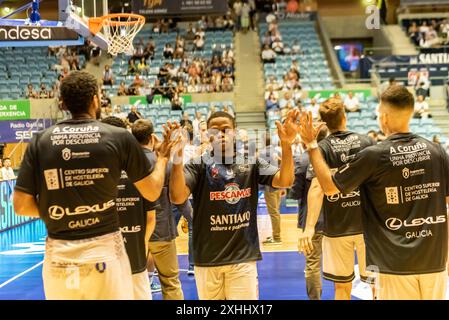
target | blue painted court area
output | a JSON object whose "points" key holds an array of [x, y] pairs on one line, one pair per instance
{"points": [[281, 274]]}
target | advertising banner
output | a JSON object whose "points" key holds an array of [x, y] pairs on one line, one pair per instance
{"points": [[179, 7], [21, 130]]}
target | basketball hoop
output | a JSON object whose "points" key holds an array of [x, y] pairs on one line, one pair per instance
{"points": [[119, 30]]}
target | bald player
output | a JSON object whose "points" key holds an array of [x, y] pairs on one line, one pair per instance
{"points": [[404, 187]]}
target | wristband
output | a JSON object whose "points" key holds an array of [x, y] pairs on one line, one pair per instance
{"points": [[312, 145]]}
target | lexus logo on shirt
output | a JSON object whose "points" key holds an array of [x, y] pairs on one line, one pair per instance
{"points": [[396, 224]]}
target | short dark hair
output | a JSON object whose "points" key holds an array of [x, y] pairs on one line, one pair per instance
{"points": [[78, 90], [398, 97], [142, 130], [221, 114], [332, 111], [114, 121]]}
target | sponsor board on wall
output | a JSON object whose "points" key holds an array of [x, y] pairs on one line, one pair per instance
{"points": [[21, 130]]}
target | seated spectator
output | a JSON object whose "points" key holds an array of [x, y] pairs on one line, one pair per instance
{"points": [[138, 81], [157, 27], [43, 93], [176, 103], [227, 84], [185, 120], [108, 77], [132, 68], [292, 6], [286, 100], [105, 100], [421, 108], [193, 86], [413, 33], [314, 107], [30, 93], [272, 102], [216, 81], [271, 91], [273, 83], [421, 91], [296, 48], [352, 103], [199, 43], [199, 117], [268, 55], [169, 90], [142, 67], [168, 51], [285, 110], [119, 113], [148, 52], [278, 46], [122, 90], [134, 115], [106, 112], [181, 88]]}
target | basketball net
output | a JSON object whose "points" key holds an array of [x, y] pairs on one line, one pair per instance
{"points": [[119, 30]]}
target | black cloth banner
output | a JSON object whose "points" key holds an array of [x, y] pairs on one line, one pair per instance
{"points": [[179, 7]]}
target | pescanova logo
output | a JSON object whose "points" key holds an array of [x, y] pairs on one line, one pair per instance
{"points": [[232, 194]]}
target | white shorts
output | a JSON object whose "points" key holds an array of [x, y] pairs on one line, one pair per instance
{"points": [[339, 258], [89, 269], [142, 286], [229, 282]]}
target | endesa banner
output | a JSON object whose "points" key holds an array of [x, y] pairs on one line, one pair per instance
{"points": [[179, 7], [21, 130]]}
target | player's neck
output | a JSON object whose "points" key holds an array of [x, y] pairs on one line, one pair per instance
{"points": [[340, 129], [83, 116]]}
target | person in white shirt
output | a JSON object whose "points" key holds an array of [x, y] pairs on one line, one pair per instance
{"points": [[7, 171], [314, 107], [119, 113], [268, 55], [278, 46], [352, 103], [421, 108], [196, 122], [286, 100]]}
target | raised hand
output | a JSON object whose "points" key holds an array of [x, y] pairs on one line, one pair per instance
{"points": [[307, 130], [172, 137], [289, 129]]}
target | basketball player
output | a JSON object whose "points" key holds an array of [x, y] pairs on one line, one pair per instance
{"points": [[69, 178], [137, 221], [342, 213], [404, 184], [162, 243], [225, 194]]}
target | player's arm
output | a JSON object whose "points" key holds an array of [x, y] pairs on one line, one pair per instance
{"points": [[151, 224], [151, 186], [314, 204], [179, 191], [25, 204], [287, 134]]}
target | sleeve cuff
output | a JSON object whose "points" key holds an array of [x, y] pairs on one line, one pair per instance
{"points": [[25, 190]]}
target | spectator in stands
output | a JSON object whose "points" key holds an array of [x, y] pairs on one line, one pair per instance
{"points": [[314, 107], [227, 84], [193, 86], [436, 139], [65, 72], [421, 91], [296, 48], [108, 77], [286, 109], [278, 46], [272, 102], [352, 103], [119, 113], [157, 27], [132, 68], [30, 93], [424, 27], [272, 83], [122, 90], [198, 43], [185, 120], [268, 55], [216, 81], [196, 122], [176, 103], [413, 33], [421, 108], [138, 81], [168, 51], [43, 93], [181, 88], [423, 82], [134, 115], [286, 100], [142, 66], [7, 171], [105, 100], [148, 53]]}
